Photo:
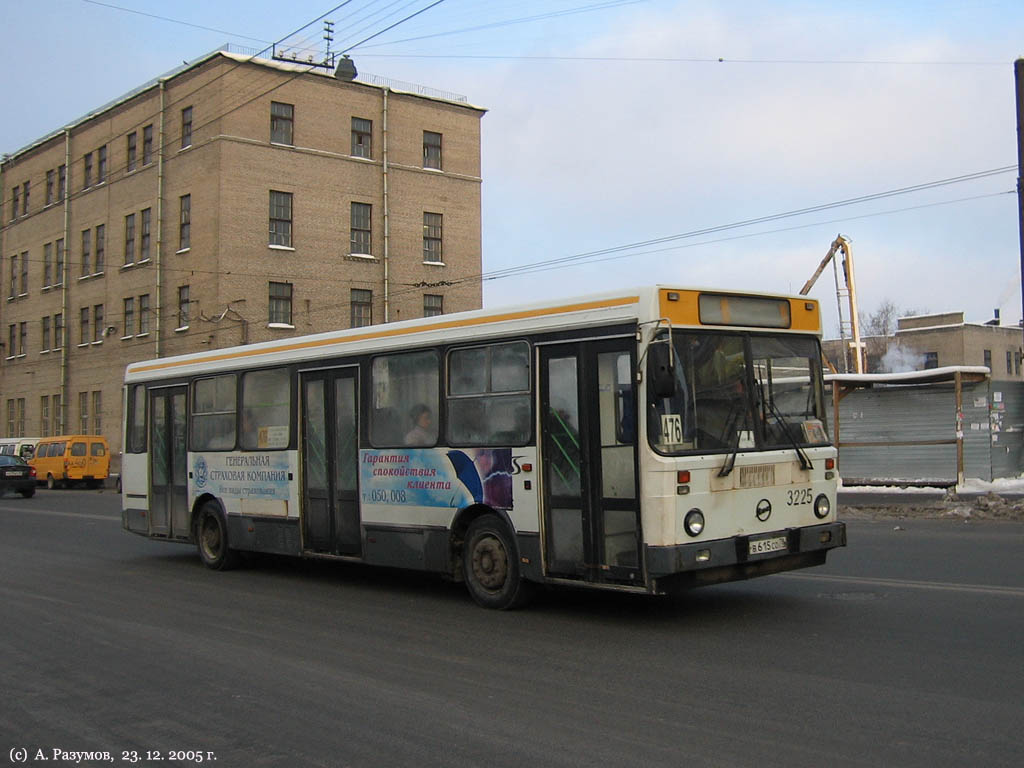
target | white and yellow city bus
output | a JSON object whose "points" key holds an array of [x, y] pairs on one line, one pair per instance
{"points": [[646, 441]]}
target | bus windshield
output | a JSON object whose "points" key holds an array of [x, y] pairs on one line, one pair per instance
{"points": [[738, 392]]}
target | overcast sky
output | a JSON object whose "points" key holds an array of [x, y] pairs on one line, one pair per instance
{"points": [[613, 122]]}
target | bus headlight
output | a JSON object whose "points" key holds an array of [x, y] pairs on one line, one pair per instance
{"points": [[694, 522], [822, 506]]}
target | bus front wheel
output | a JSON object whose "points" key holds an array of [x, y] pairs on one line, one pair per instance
{"points": [[212, 539], [491, 565]]}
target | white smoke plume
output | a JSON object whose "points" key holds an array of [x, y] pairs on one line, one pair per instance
{"points": [[900, 360]]}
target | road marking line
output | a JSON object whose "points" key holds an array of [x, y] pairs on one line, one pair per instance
{"points": [[938, 586], [57, 513]]}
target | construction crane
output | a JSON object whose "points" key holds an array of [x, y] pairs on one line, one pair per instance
{"points": [[842, 244]]}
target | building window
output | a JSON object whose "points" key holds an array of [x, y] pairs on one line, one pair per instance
{"points": [[931, 360], [87, 171], [362, 137], [51, 180], [97, 413], [280, 303], [83, 413], [362, 307], [282, 117], [144, 239], [133, 139], [86, 252], [101, 247], [101, 165], [22, 338], [24, 274], [186, 127], [44, 416], [361, 216], [1009, 363], [62, 181], [84, 336], [433, 305], [58, 249], [58, 415], [987, 356], [184, 222], [97, 322], [14, 277], [147, 145], [432, 230], [144, 313], [12, 340], [183, 306], [129, 315], [10, 419], [129, 239], [47, 265], [24, 199], [431, 150], [45, 345], [58, 330], [15, 201], [281, 218], [21, 417]]}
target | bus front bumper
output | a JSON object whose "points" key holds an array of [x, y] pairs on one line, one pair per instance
{"points": [[712, 562]]}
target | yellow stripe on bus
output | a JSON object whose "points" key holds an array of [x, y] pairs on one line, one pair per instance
{"points": [[383, 334]]}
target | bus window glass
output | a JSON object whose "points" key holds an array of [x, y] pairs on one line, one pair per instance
{"points": [[787, 397], [78, 449], [97, 449], [266, 409], [479, 411], [213, 414], [137, 419], [405, 400]]}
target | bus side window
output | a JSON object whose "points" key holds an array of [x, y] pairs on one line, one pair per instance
{"points": [[489, 395], [137, 419], [266, 409], [405, 400]]}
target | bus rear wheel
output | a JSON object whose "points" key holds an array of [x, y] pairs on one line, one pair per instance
{"points": [[491, 565], [212, 539]]}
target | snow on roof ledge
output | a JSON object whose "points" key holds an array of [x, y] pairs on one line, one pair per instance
{"points": [[930, 376]]}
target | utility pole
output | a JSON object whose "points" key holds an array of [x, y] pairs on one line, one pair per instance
{"points": [[1018, 76]]}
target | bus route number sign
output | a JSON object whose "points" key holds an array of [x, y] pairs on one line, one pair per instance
{"points": [[671, 428]]}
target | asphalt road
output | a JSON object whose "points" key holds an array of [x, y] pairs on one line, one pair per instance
{"points": [[907, 649]]}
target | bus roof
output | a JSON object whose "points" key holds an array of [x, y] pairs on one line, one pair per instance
{"points": [[638, 305]]}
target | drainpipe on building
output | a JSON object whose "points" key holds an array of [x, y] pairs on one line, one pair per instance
{"points": [[65, 277], [160, 216], [387, 296]]}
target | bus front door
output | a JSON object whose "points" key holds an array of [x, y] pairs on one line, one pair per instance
{"points": [[168, 471], [589, 431], [330, 462]]}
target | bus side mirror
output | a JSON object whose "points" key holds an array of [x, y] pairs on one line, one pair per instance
{"points": [[662, 377]]}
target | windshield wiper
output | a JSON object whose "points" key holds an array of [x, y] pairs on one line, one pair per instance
{"points": [[805, 462], [734, 449]]}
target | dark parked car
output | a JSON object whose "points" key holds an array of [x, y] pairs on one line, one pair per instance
{"points": [[17, 475]]}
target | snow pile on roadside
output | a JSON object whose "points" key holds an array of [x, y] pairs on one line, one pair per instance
{"points": [[990, 506]]}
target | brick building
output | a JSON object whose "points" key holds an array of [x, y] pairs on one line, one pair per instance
{"points": [[231, 201], [940, 340]]}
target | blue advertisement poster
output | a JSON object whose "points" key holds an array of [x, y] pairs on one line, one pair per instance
{"points": [[437, 477]]}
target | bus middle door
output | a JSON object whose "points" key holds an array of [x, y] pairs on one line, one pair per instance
{"points": [[330, 462]]}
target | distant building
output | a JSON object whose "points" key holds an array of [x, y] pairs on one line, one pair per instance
{"points": [[940, 340], [231, 201]]}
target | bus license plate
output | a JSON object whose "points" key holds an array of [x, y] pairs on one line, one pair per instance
{"points": [[763, 546]]}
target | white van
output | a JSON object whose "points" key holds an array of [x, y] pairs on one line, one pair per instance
{"points": [[19, 446]]}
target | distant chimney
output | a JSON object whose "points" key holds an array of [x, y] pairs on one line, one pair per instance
{"points": [[995, 317]]}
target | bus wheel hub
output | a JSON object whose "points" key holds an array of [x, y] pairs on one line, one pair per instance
{"points": [[490, 563]]}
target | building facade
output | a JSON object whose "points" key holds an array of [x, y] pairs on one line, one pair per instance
{"points": [[940, 340], [233, 201]]}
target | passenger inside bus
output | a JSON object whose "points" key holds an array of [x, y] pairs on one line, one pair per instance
{"points": [[422, 431]]}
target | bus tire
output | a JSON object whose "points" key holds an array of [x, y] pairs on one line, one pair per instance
{"points": [[212, 539], [490, 563]]}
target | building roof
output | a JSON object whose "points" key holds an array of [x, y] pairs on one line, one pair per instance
{"points": [[929, 376], [369, 81]]}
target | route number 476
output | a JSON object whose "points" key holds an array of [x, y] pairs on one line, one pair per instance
{"points": [[671, 428]]}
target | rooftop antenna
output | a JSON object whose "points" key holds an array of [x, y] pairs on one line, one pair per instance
{"points": [[328, 39]]}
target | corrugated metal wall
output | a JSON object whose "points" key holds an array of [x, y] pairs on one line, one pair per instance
{"points": [[993, 426]]}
